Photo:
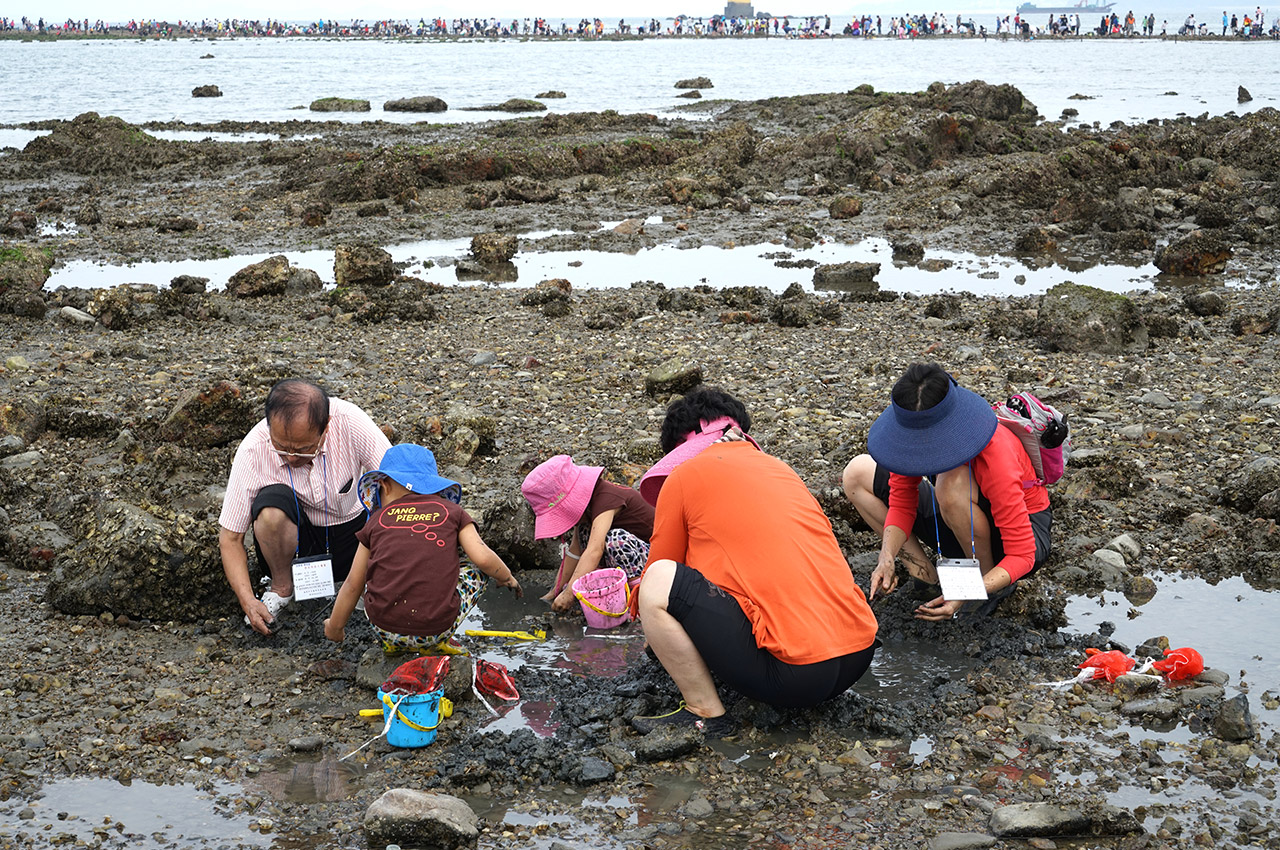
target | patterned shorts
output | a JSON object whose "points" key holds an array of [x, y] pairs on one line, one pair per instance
{"points": [[470, 584], [625, 551]]}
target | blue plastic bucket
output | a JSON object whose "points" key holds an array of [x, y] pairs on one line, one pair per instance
{"points": [[416, 717]]}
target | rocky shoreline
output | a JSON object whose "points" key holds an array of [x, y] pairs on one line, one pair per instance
{"points": [[119, 410]]}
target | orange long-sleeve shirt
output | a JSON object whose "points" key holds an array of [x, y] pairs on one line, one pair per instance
{"points": [[1002, 472], [747, 522]]}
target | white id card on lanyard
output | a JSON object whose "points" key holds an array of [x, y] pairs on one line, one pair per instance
{"points": [[313, 577], [961, 578]]}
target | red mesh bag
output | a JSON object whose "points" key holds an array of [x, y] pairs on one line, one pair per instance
{"points": [[422, 675], [493, 679]]}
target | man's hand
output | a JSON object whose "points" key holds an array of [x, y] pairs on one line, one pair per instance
{"points": [[333, 631], [259, 617], [938, 609]]}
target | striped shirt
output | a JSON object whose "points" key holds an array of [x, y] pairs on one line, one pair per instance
{"points": [[326, 487]]}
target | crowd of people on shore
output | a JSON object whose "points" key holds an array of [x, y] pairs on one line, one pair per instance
{"points": [[716, 25], [1248, 25]]}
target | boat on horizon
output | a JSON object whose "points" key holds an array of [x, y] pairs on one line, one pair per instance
{"points": [[1082, 8]]}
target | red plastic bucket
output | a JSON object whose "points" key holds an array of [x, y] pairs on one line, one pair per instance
{"points": [[605, 597]]}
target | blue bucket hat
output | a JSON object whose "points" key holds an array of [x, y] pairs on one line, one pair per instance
{"points": [[925, 442], [413, 467]]}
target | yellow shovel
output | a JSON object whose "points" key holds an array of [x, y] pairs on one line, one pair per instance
{"points": [[537, 634]]}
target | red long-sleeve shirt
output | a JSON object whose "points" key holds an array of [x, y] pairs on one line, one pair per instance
{"points": [[1004, 474]]}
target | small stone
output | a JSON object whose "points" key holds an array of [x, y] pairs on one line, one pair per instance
{"points": [[1203, 695], [845, 206], [306, 744], [1028, 820], [595, 770], [418, 818], [493, 248], [1162, 709], [1132, 685], [673, 377], [17, 363], [77, 317], [666, 744], [990, 712], [961, 841], [698, 807], [1234, 721], [1126, 546], [1110, 557]]}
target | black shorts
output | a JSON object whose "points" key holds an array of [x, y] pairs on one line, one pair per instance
{"points": [[722, 634], [339, 541], [927, 533]]}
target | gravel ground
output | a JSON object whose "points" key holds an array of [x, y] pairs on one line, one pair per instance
{"points": [[1172, 445]]}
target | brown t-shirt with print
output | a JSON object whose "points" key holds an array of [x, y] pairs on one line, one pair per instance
{"points": [[634, 513], [411, 585]]}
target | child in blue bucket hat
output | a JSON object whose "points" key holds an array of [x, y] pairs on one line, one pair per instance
{"points": [[416, 588]]}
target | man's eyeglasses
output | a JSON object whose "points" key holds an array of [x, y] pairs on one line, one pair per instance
{"points": [[298, 454]]}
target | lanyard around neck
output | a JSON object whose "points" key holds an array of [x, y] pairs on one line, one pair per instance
{"points": [[937, 531], [324, 486]]}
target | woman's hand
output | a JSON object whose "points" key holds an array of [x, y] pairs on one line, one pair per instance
{"points": [[884, 576], [938, 609], [564, 601], [333, 631]]}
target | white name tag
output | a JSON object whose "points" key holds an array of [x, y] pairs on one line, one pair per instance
{"points": [[961, 578], [312, 577]]}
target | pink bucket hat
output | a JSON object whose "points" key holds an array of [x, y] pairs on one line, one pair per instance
{"points": [[559, 490], [693, 444]]}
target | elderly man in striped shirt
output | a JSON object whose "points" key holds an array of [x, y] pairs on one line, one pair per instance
{"points": [[293, 480]]}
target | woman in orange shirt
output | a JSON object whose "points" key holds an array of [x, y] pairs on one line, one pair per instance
{"points": [[745, 577]]}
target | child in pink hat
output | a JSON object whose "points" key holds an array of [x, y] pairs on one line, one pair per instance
{"points": [[601, 524]]}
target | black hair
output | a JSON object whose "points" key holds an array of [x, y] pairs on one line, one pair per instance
{"points": [[921, 387], [686, 414], [293, 398]]}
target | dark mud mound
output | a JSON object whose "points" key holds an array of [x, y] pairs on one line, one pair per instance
{"points": [[91, 144]]}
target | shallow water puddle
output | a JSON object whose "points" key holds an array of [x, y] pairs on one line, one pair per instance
{"points": [[776, 267], [1234, 627], [768, 265], [900, 666], [214, 136], [1232, 624], [15, 138], [106, 813], [308, 779]]}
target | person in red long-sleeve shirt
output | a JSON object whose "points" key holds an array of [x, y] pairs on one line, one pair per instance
{"points": [[984, 493]]}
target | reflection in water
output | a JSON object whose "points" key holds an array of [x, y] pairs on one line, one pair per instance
{"points": [[763, 265], [1231, 624], [140, 815], [308, 781]]}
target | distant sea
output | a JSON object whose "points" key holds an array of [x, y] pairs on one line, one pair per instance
{"points": [[269, 79]]}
